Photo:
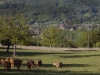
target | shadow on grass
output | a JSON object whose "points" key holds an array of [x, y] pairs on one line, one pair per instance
{"points": [[79, 56], [45, 72], [61, 54], [76, 65], [67, 65], [64, 65], [47, 65], [4, 53], [43, 65], [40, 53]]}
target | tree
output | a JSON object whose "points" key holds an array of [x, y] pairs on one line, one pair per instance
{"points": [[5, 32], [94, 37], [82, 39], [15, 30], [98, 44], [89, 38], [50, 36]]}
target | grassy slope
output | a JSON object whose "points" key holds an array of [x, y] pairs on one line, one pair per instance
{"points": [[75, 62]]}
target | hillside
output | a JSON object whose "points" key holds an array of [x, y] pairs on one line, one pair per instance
{"points": [[53, 11]]}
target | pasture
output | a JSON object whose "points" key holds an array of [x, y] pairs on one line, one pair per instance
{"points": [[74, 62]]}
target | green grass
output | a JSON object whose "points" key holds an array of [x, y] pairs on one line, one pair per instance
{"points": [[74, 62]]}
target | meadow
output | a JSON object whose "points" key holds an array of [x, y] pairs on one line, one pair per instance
{"points": [[74, 62]]}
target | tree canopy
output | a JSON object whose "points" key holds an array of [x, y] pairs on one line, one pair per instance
{"points": [[14, 30], [77, 11], [50, 36]]}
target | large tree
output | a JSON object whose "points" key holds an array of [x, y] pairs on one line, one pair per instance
{"points": [[88, 38], [15, 31], [50, 36], [94, 37]]}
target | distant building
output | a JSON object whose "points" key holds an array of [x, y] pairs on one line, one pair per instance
{"points": [[75, 27], [71, 29], [62, 26], [36, 24], [37, 31]]}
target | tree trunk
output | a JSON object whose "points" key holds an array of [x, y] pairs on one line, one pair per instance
{"points": [[50, 46], [8, 48], [14, 53]]}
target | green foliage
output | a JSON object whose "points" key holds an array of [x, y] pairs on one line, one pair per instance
{"points": [[86, 38], [15, 29], [78, 11], [58, 38], [98, 44], [94, 36], [50, 36], [82, 39]]}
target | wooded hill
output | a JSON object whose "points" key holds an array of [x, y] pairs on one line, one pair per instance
{"points": [[53, 11]]}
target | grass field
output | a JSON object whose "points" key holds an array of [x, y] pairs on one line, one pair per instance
{"points": [[74, 62]]}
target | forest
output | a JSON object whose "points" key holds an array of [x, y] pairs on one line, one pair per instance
{"points": [[53, 11]]}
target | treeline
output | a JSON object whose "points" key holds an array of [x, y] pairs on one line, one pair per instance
{"points": [[54, 37], [73, 11], [15, 31]]}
